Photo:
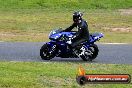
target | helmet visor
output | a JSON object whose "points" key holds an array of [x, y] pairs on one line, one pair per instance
{"points": [[75, 18]]}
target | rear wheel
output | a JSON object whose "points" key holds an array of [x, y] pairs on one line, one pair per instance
{"points": [[87, 54], [47, 52], [91, 53]]}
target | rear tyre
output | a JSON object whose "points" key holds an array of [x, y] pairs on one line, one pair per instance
{"points": [[47, 52], [93, 50]]}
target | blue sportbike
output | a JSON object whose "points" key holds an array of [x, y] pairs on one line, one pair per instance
{"points": [[58, 46]]}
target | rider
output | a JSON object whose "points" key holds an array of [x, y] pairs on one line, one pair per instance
{"points": [[82, 26]]}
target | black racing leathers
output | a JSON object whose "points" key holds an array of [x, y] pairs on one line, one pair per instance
{"points": [[82, 33]]}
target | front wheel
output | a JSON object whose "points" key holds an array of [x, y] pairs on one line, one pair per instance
{"points": [[91, 53], [47, 52]]}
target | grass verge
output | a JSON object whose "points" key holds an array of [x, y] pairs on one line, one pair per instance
{"points": [[55, 74], [65, 4], [34, 25]]}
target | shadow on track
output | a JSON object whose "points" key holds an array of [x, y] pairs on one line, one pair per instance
{"points": [[71, 60]]}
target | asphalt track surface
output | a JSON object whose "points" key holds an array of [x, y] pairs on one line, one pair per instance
{"points": [[22, 51]]}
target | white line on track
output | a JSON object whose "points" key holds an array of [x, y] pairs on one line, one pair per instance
{"points": [[104, 43], [114, 43]]}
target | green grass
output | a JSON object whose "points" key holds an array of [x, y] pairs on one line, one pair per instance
{"points": [[55, 74], [34, 25], [32, 20], [65, 4]]}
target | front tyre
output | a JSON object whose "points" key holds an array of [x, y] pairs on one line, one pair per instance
{"points": [[47, 52], [91, 53]]}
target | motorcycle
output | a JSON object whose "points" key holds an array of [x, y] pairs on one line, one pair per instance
{"points": [[59, 46]]}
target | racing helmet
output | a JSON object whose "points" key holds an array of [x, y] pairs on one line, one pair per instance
{"points": [[77, 16]]}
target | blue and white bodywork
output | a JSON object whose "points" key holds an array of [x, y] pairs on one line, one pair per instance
{"points": [[58, 46]]}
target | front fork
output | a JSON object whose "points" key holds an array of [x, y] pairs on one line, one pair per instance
{"points": [[53, 49]]}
